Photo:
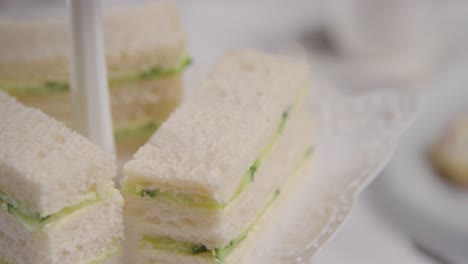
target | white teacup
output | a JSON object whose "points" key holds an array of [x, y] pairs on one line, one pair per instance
{"points": [[406, 34]]}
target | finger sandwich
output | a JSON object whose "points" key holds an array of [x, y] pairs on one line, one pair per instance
{"points": [[196, 188], [146, 54], [58, 203]]}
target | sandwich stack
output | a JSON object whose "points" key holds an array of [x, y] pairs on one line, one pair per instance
{"points": [[205, 178], [145, 50], [58, 203]]}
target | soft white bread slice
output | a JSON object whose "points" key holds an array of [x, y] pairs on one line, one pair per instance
{"points": [[115, 258], [164, 257], [163, 218], [208, 143], [85, 235], [450, 153], [45, 166], [243, 252], [136, 38]]}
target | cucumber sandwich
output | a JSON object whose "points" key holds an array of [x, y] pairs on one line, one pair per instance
{"points": [[194, 191], [58, 203], [145, 49]]}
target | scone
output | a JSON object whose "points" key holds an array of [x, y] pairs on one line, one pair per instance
{"points": [[450, 153]]}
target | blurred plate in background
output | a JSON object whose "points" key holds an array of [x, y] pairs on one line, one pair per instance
{"points": [[411, 194]]}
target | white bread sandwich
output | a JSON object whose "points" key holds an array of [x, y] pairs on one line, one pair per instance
{"points": [[194, 191], [58, 203], [450, 153], [146, 53]]}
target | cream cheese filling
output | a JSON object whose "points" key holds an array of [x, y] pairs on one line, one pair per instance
{"points": [[218, 255], [34, 221], [56, 87]]}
